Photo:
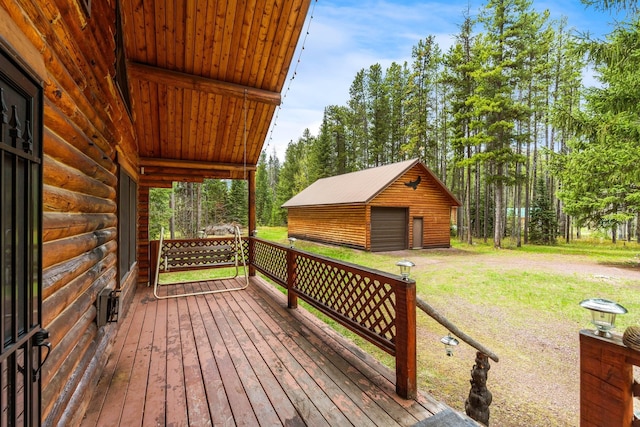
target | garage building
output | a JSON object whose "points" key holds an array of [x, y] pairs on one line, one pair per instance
{"points": [[393, 207]]}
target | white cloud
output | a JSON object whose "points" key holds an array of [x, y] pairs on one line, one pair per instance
{"points": [[346, 36]]}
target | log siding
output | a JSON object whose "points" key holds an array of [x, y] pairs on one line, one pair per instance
{"points": [[84, 122], [342, 225]]}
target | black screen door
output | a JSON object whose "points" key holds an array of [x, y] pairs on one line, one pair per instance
{"points": [[21, 338]]}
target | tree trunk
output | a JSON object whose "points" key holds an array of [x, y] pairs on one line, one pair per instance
{"points": [[172, 220], [467, 202], [498, 208]]}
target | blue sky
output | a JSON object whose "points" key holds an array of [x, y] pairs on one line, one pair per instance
{"points": [[347, 36]]}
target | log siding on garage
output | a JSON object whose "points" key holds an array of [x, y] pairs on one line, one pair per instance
{"points": [[340, 225]]}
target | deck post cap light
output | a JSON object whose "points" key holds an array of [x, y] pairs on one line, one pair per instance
{"points": [[292, 242], [449, 344], [405, 268], [603, 314]]}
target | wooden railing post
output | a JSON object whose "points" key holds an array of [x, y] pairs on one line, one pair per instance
{"points": [[406, 371], [606, 381], [153, 260], [292, 298]]}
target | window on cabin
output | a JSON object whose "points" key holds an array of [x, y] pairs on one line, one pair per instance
{"points": [[122, 83], [127, 220]]}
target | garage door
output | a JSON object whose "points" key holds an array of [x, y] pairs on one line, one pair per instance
{"points": [[388, 229]]}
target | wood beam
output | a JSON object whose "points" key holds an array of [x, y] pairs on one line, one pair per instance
{"points": [[189, 164], [189, 81]]}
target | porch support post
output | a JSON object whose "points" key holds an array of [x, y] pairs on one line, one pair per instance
{"points": [[606, 380], [252, 217], [406, 372]]}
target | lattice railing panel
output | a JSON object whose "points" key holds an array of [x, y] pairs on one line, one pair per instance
{"points": [[271, 260], [374, 304], [366, 300]]}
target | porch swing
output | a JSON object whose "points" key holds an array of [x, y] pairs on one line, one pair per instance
{"points": [[202, 255]]}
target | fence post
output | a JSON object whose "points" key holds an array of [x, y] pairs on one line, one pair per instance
{"points": [[405, 345], [292, 298]]}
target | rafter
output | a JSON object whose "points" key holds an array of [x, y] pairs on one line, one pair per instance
{"points": [[167, 77], [188, 164]]}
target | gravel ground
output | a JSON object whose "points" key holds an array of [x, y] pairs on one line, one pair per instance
{"points": [[536, 382]]}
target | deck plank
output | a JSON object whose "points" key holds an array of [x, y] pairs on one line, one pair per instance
{"points": [[155, 403], [197, 405], [232, 384], [102, 387], [255, 393], [241, 359], [370, 401], [263, 389], [176, 412], [373, 377], [308, 377], [220, 409], [120, 378], [133, 409], [306, 410]]}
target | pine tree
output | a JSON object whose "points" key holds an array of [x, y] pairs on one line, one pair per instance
{"points": [[264, 197], [159, 211], [600, 173], [542, 219], [495, 103]]}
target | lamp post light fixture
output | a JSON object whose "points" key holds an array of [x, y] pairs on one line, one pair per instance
{"points": [[449, 344], [603, 314], [292, 242], [405, 268]]}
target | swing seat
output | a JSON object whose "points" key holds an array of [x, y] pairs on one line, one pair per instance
{"points": [[201, 256]]}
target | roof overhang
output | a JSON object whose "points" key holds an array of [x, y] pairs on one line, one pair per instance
{"points": [[205, 79]]}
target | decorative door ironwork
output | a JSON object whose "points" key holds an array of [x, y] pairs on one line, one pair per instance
{"points": [[21, 336]]}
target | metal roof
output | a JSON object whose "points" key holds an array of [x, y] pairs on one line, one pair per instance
{"points": [[357, 187]]}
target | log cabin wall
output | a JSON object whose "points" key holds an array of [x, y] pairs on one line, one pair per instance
{"points": [[427, 201], [85, 120], [341, 225]]}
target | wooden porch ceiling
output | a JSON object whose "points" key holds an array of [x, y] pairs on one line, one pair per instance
{"points": [[198, 71], [243, 358]]}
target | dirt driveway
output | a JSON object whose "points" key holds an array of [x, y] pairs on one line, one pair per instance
{"points": [[536, 382]]}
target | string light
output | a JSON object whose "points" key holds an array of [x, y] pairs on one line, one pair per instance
{"points": [[293, 76]]}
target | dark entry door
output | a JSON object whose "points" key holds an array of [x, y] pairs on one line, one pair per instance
{"points": [[388, 229], [21, 337]]}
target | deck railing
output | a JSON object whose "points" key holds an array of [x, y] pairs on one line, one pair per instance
{"points": [[378, 306], [607, 387]]}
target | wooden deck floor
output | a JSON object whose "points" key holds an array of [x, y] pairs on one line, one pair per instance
{"points": [[241, 358]]}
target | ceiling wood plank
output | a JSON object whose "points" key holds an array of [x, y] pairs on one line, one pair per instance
{"points": [[202, 84]]}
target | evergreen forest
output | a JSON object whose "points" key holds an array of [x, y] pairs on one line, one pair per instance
{"points": [[501, 117]]}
